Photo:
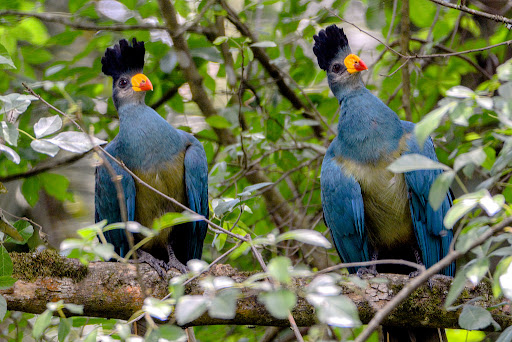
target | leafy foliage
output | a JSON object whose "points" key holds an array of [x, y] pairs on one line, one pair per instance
{"points": [[264, 185]]}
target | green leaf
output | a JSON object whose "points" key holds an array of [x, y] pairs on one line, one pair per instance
{"points": [[74, 308], [224, 304], [42, 322], [5, 262], [48, 125], [414, 162], [224, 206], [431, 121], [77, 142], [263, 44], [422, 13], [279, 303], [308, 236], [220, 40], [64, 328], [440, 188], [7, 228], [189, 308], [279, 269], [475, 318], [217, 121], [173, 219], [6, 282], [24, 230], [30, 190], [55, 185], [10, 133], [461, 207], [171, 332]]}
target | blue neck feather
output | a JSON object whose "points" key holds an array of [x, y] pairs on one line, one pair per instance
{"points": [[145, 138], [368, 130]]}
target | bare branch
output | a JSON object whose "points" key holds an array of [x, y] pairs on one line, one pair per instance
{"points": [[463, 8], [110, 289]]}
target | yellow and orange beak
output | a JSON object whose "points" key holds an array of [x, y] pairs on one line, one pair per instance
{"points": [[354, 64], [141, 82]]}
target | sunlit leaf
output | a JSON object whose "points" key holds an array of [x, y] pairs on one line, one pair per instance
{"points": [[279, 303], [46, 147], [309, 236], [10, 133], [223, 305], [77, 142], [10, 153], [431, 121], [157, 308], [413, 162], [189, 308], [114, 10], [47, 125]]}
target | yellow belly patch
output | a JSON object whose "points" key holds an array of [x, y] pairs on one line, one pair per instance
{"points": [[386, 205], [169, 179]]}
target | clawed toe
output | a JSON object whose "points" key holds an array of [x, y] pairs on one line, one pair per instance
{"points": [[364, 271]]}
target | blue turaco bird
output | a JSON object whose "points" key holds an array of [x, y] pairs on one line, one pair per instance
{"points": [[168, 159], [370, 211]]}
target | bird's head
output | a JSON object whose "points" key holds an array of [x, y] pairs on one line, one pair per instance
{"points": [[334, 56], [124, 62]]}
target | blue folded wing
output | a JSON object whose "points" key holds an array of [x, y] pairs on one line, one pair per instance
{"points": [[343, 207], [196, 183], [107, 205], [433, 238]]}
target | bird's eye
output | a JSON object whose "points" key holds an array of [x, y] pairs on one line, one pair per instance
{"points": [[336, 68], [123, 82]]}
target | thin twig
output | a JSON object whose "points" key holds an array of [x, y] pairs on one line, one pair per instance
{"points": [[419, 267], [463, 8]]}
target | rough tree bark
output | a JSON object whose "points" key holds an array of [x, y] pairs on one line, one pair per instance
{"points": [[110, 290]]}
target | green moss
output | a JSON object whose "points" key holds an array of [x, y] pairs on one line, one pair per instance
{"points": [[48, 263]]}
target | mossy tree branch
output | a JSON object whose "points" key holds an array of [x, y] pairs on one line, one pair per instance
{"points": [[110, 290]]}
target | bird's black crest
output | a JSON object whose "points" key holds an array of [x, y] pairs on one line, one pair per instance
{"points": [[328, 43], [123, 58]]}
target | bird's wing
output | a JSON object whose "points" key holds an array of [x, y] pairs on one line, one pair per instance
{"points": [[107, 205], [433, 238], [196, 183], [344, 212]]}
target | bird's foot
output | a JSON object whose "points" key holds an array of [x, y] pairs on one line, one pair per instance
{"points": [[362, 271], [174, 262], [158, 265]]}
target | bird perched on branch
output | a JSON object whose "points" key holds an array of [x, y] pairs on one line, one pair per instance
{"points": [[168, 159], [371, 212]]}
